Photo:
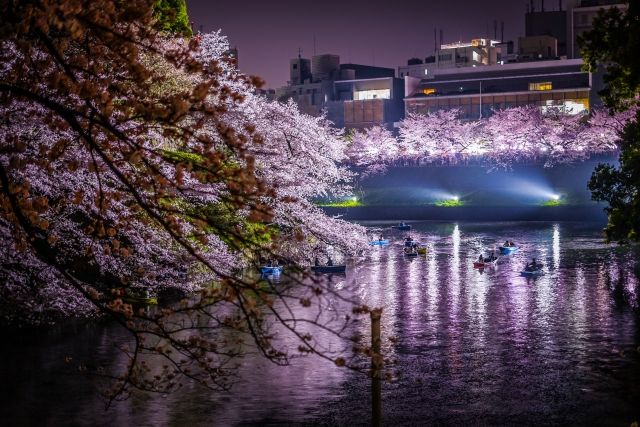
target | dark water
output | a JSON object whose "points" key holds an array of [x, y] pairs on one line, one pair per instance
{"points": [[477, 348]]}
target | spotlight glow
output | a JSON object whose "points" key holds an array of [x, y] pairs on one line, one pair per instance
{"points": [[455, 198], [354, 199], [556, 197]]}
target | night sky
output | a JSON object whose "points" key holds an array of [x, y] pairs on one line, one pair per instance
{"points": [[269, 33]]}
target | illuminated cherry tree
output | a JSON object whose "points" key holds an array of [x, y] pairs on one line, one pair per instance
{"points": [[138, 161], [506, 137]]}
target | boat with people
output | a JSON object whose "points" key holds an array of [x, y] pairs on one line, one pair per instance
{"points": [[508, 248], [422, 250], [482, 262], [127, 294], [133, 296], [408, 241], [410, 251], [379, 242], [329, 268], [533, 269], [271, 270], [401, 226]]}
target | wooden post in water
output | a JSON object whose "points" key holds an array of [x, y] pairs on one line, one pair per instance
{"points": [[376, 364]]}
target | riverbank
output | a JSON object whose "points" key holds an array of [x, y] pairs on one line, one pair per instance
{"points": [[468, 213]]}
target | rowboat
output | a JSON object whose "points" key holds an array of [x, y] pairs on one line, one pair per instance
{"points": [[137, 298], [532, 273], [129, 296], [328, 268], [401, 227], [508, 249], [271, 270], [422, 251], [379, 242], [486, 264]]}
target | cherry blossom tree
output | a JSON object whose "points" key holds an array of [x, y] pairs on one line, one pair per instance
{"points": [[502, 139], [371, 148], [128, 157]]}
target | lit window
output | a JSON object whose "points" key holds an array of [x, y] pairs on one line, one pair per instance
{"points": [[540, 86], [428, 91], [373, 94], [426, 72]]}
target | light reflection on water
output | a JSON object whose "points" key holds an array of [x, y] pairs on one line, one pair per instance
{"points": [[489, 346]]}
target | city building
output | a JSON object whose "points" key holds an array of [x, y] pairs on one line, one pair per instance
{"points": [[476, 92], [537, 48], [299, 71], [352, 95], [538, 73], [565, 25], [467, 54]]}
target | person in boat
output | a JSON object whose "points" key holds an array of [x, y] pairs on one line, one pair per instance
{"points": [[317, 262], [408, 239], [511, 244], [275, 263], [506, 244], [402, 224], [492, 257], [380, 239], [330, 262], [532, 266], [481, 259]]}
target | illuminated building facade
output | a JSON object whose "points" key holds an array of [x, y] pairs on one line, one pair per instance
{"points": [[477, 92]]}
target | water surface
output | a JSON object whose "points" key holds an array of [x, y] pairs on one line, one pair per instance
{"points": [[476, 347]]}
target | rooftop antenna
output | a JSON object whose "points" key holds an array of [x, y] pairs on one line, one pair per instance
{"points": [[502, 29], [299, 53]]}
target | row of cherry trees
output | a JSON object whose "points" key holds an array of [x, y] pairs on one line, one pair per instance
{"points": [[502, 138]]}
